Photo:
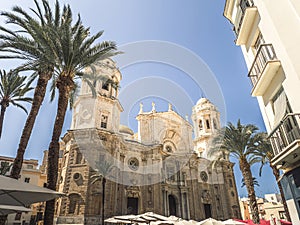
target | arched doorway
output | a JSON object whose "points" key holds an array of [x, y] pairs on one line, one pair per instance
{"points": [[75, 202], [172, 206], [207, 211], [132, 205]]}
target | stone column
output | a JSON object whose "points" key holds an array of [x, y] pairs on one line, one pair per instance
{"points": [[182, 206], [187, 206], [164, 202]]}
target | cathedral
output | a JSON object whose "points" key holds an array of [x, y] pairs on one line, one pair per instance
{"points": [[106, 169]]}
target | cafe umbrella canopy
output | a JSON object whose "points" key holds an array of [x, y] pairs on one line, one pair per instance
{"points": [[149, 218], [8, 209], [18, 193]]}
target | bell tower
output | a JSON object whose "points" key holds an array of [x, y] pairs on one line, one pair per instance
{"points": [[99, 108], [206, 120]]}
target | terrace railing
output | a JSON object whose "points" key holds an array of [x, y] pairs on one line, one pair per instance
{"points": [[285, 133], [264, 55], [243, 5]]}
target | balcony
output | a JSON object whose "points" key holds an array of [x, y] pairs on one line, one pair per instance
{"points": [[263, 69], [247, 17], [285, 141]]}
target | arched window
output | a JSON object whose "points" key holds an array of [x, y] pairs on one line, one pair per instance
{"points": [[105, 85], [104, 119], [230, 183], [200, 125], [207, 124], [75, 203], [78, 158]]}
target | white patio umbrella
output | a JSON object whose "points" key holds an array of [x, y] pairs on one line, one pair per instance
{"points": [[150, 218], [114, 220], [233, 222], [162, 223], [17, 193], [8, 209], [155, 216], [210, 221], [185, 222], [174, 218]]}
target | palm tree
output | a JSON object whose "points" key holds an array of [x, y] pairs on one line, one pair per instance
{"points": [[36, 49], [12, 90], [240, 142], [266, 154], [75, 49], [104, 169], [255, 182], [13, 87]]}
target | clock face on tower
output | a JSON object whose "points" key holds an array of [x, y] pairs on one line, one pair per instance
{"points": [[85, 114], [204, 176]]}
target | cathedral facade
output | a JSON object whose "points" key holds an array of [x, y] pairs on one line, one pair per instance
{"points": [[163, 168]]}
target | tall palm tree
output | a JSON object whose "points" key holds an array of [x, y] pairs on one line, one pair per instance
{"points": [[75, 49], [12, 91], [240, 142], [36, 49], [104, 169], [266, 154], [13, 88]]}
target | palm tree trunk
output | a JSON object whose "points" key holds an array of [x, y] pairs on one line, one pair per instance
{"points": [[247, 174], [276, 174], [3, 109], [103, 199], [53, 154], [38, 98]]}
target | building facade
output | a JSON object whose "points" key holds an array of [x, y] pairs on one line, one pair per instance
{"points": [[30, 173], [269, 206], [161, 168], [268, 33]]}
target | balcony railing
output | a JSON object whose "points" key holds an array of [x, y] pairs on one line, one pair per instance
{"points": [[264, 55], [287, 132], [244, 4]]}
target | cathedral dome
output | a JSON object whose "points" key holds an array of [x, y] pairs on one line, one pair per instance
{"points": [[125, 130], [202, 101], [204, 104]]}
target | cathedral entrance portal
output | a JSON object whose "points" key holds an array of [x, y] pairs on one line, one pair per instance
{"points": [[132, 205], [172, 206]]}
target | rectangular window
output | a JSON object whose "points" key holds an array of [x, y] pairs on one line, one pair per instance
{"points": [[260, 40], [29, 166]]}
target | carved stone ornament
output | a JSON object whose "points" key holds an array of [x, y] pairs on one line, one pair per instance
{"points": [[206, 198], [132, 191]]}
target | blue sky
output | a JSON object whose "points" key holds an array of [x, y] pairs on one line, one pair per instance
{"points": [[196, 26]]}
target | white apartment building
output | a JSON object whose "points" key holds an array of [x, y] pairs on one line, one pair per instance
{"points": [[268, 32]]}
